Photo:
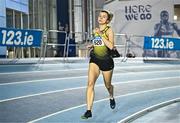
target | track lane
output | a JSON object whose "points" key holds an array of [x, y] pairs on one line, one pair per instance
{"points": [[69, 72], [127, 104], [45, 86], [150, 76], [27, 109]]}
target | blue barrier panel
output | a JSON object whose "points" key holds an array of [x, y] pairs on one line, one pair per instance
{"points": [[161, 43], [72, 48], [20, 37]]}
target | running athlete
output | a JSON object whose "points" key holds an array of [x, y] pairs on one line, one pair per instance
{"points": [[100, 60]]}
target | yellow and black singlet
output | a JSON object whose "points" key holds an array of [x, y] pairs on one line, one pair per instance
{"points": [[100, 49]]}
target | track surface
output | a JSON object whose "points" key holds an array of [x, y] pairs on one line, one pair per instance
{"points": [[56, 92]]}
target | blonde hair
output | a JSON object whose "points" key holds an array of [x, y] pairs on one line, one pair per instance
{"points": [[110, 15]]}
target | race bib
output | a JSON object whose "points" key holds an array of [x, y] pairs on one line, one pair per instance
{"points": [[97, 41]]}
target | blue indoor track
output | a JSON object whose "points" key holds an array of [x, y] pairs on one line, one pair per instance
{"points": [[56, 91]]}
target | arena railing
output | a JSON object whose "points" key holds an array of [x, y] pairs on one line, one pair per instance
{"points": [[52, 42], [80, 40], [20, 46], [129, 46], [134, 47]]}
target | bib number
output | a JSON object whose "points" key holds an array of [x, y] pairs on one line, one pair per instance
{"points": [[97, 41]]}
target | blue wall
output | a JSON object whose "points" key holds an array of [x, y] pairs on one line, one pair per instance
{"points": [[62, 12], [19, 5], [3, 24], [2, 13], [63, 17]]}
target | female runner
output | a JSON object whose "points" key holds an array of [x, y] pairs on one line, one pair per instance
{"points": [[100, 60]]}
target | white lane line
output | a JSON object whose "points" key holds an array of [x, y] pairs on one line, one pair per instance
{"points": [[44, 71], [115, 74], [37, 65], [83, 87], [123, 67], [41, 80], [147, 110], [130, 94], [38, 94]]}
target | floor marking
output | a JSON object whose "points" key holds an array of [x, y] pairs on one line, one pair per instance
{"points": [[83, 87], [33, 81], [42, 71], [147, 110], [124, 67], [130, 94]]}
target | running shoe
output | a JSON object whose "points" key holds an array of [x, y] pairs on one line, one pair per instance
{"points": [[87, 115], [112, 103]]}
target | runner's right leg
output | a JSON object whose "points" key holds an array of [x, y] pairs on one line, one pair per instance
{"points": [[93, 74]]}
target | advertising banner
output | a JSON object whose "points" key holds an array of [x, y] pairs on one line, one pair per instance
{"points": [[20, 37], [139, 18], [161, 43]]}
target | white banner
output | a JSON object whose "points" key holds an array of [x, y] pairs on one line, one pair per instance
{"points": [[140, 18]]}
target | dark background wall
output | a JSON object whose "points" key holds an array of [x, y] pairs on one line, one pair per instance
{"points": [[62, 21]]}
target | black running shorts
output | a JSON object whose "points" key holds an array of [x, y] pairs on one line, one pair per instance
{"points": [[106, 64]]}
